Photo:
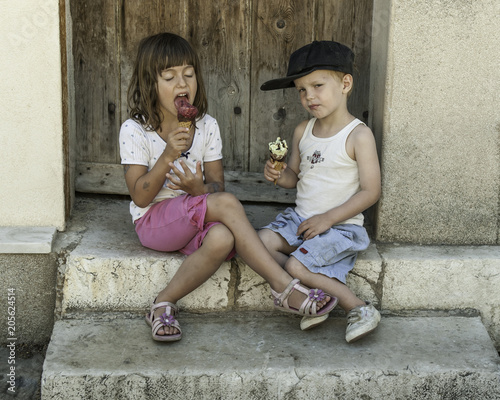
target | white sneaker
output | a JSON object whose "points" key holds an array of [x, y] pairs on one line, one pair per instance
{"points": [[310, 322], [361, 320]]}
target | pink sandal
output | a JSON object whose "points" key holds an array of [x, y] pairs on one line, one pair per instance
{"points": [[308, 307], [166, 319]]}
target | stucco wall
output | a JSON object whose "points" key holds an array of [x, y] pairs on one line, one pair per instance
{"points": [[441, 122], [31, 134], [30, 279]]}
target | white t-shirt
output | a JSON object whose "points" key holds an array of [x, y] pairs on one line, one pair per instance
{"points": [[141, 146], [328, 177]]}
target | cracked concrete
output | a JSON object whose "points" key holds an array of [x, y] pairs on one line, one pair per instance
{"points": [[233, 292]]}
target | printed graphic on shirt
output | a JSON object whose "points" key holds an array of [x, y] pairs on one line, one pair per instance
{"points": [[315, 158]]}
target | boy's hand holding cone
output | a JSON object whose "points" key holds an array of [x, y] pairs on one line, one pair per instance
{"points": [[278, 151]]}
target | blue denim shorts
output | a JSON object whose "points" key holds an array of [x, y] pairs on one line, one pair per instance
{"points": [[332, 253]]}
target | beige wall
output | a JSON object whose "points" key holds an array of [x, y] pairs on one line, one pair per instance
{"points": [[437, 117], [31, 134]]}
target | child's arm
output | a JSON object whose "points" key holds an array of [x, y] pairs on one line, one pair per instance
{"points": [[288, 176], [144, 185], [361, 147]]}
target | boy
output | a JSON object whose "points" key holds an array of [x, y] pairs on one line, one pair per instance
{"points": [[333, 163]]}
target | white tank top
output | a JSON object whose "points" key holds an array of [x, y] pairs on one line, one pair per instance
{"points": [[328, 176]]}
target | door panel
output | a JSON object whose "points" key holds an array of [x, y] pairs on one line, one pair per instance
{"points": [[241, 44]]}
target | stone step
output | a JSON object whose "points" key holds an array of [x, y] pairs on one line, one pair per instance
{"points": [[105, 269], [264, 355]]}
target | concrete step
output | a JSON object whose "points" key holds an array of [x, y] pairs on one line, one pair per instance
{"points": [[264, 355], [104, 268], [105, 265]]}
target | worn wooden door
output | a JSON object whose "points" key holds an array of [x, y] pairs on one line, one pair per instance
{"points": [[242, 43]]}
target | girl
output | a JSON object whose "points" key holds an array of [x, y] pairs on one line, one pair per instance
{"points": [[176, 181]]}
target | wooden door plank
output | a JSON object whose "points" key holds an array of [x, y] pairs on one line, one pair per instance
{"points": [[241, 45], [219, 31], [349, 22], [279, 28], [139, 19], [361, 45], [97, 90], [109, 179]]}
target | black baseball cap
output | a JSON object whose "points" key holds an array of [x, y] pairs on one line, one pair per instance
{"points": [[323, 54]]}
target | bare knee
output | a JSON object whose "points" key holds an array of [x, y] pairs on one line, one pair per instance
{"points": [[224, 199], [223, 203], [274, 241], [295, 268], [267, 236], [219, 239]]}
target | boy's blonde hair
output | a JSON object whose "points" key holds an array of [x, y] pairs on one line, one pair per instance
{"points": [[340, 76]]}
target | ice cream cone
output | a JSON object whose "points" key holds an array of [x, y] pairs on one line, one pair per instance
{"points": [[278, 151], [278, 165], [186, 112], [184, 124]]}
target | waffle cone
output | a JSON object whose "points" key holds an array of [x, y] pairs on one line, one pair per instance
{"points": [[184, 124], [278, 165]]}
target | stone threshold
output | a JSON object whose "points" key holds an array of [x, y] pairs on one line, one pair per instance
{"points": [[26, 239]]}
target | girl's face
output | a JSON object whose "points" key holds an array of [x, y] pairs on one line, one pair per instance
{"points": [[174, 82], [322, 93]]}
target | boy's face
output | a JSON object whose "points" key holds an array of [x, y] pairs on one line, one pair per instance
{"points": [[322, 92]]}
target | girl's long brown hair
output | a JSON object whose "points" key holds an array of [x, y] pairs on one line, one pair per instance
{"points": [[155, 54]]}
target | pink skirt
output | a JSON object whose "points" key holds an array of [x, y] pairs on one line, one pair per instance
{"points": [[176, 224]]}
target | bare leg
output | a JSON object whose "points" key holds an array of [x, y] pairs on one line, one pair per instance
{"points": [[280, 250], [347, 299], [277, 246], [196, 269], [226, 208]]}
